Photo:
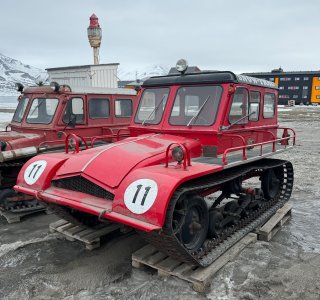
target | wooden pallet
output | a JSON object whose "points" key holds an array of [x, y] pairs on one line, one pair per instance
{"points": [[274, 224], [198, 276], [90, 236], [15, 217]]}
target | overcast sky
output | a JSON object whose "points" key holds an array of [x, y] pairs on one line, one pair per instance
{"points": [[236, 35]]}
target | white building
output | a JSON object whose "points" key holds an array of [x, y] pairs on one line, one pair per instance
{"points": [[103, 75]]}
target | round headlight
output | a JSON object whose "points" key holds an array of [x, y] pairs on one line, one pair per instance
{"points": [[182, 65], [55, 86], [177, 154], [19, 87]]}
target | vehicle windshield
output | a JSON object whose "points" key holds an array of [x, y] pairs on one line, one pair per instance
{"points": [[21, 108], [42, 110], [195, 106], [151, 106]]}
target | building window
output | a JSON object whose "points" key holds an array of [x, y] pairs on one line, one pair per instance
{"points": [[297, 78], [293, 87], [317, 87], [271, 79], [305, 78], [305, 87], [318, 97], [284, 96], [295, 96], [285, 79], [318, 78], [281, 88]]}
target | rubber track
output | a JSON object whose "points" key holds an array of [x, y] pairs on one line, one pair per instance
{"points": [[167, 242], [19, 208]]}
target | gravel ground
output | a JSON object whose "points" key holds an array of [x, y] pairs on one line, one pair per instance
{"points": [[35, 264]]}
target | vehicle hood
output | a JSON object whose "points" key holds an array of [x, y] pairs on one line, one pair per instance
{"points": [[16, 140], [110, 164]]}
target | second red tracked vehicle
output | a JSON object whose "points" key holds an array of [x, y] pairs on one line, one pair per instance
{"points": [[46, 116], [194, 176]]}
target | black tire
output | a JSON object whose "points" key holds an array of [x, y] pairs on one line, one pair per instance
{"points": [[215, 219], [193, 232]]}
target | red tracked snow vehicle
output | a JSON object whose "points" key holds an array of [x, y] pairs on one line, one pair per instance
{"points": [[44, 117], [193, 135]]}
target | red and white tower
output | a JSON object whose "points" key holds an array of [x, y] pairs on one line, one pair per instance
{"points": [[95, 36]]}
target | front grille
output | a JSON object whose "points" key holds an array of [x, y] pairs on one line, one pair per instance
{"points": [[83, 185]]}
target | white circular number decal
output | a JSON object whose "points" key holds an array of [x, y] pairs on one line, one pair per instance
{"points": [[34, 171], [140, 195]]}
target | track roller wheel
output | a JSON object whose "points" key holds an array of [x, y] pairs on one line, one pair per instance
{"points": [[270, 183], [231, 207], [215, 226], [192, 223]]}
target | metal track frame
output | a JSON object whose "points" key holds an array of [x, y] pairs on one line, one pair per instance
{"points": [[166, 241]]}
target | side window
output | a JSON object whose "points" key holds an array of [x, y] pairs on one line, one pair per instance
{"points": [[74, 106], [99, 108], [123, 108], [254, 107], [239, 106], [18, 115], [269, 105]]}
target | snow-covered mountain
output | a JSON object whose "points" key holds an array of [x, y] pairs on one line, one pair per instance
{"points": [[12, 71], [142, 72]]}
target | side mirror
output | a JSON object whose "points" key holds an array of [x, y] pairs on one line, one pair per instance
{"points": [[72, 120]]}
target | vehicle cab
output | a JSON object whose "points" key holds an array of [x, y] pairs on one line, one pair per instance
{"points": [[49, 113], [220, 110]]}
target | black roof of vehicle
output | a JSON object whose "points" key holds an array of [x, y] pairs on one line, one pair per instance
{"points": [[206, 77]]}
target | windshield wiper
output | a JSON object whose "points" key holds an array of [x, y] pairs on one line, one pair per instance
{"points": [[237, 121], [154, 110], [38, 105], [199, 111]]}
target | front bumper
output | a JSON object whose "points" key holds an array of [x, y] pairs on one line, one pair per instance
{"points": [[86, 203]]}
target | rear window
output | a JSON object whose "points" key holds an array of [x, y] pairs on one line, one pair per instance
{"points": [[21, 109], [99, 108], [269, 104], [123, 108]]}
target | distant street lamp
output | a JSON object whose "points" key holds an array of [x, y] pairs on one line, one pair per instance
{"points": [[95, 36]]}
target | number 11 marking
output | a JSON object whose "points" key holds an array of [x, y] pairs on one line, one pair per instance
{"points": [[147, 189]]}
